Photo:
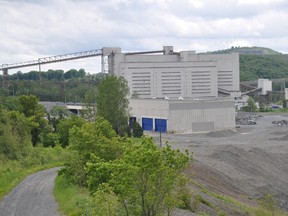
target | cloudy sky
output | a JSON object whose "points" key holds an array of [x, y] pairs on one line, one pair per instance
{"points": [[31, 29]]}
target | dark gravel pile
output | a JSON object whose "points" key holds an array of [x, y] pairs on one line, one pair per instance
{"points": [[246, 118], [281, 123]]}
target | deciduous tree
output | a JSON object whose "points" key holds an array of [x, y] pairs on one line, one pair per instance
{"points": [[65, 125], [144, 178], [251, 105], [112, 102]]}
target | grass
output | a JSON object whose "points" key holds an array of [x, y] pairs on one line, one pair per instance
{"points": [[12, 171], [260, 210], [72, 199]]}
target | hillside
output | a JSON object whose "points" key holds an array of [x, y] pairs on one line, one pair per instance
{"points": [[253, 67], [259, 62], [249, 51]]}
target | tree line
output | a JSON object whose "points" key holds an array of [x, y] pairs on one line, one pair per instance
{"points": [[53, 85], [58, 75]]}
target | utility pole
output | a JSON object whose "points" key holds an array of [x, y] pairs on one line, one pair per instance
{"points": [[160, 139]]}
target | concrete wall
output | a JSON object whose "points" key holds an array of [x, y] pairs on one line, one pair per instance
{"points": [[149, 108], [187, 115], [201, 115]]}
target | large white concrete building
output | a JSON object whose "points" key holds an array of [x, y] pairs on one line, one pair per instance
{"points": [[179, 91], [177, 74]]}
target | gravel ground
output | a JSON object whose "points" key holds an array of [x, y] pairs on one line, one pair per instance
{"points": [[32, 197], [250, 160]]}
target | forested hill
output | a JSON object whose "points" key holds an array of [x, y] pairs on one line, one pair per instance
{"points": [[259, 62], [249, 51]]}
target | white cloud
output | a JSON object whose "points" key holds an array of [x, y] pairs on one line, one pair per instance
{"points": [[31, 29], [259, 2]]}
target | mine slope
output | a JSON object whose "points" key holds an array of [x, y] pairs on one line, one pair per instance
{"points": [[245, 163]]}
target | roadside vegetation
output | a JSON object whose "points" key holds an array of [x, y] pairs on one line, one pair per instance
{"points": [[122, 176], [22, 131]]}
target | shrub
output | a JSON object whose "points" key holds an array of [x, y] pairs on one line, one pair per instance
{"points": [[137, 130]]}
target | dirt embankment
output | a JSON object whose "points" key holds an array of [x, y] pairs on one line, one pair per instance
{"points": [[245, 163]]}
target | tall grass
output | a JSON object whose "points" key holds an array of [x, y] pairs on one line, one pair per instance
{"points": [[38, 158], [72, 199]]}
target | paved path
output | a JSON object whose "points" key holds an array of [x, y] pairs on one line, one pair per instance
{"points": [[32, 197]]}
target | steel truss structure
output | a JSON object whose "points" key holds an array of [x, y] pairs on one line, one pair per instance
{"points": [[51, 59]]}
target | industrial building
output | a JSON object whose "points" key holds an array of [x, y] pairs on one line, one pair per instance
{"points": [[177, 74], [182, 116], [179, 91]]}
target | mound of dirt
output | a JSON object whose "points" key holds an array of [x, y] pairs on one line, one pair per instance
{"points": [[254, 172], [222, 133]]}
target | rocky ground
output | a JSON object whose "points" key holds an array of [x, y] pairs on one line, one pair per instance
{"points": [[245, 163]]}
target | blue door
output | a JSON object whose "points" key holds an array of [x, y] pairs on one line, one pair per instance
{"points": [[161, 125], [147, 124]]}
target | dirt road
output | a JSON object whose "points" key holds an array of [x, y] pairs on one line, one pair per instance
{"points": [[32, 197], [251, 160]]}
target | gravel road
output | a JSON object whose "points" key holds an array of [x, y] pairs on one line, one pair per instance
{"points": [[32, 197]]}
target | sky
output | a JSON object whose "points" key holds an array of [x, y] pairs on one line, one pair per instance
{"points": [[32, 29]]}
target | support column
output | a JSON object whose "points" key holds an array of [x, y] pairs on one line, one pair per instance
{"points": [[5, 78]]}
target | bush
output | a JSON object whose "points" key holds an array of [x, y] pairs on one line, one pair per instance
{"points": [[144, 178], [50, 140], [96, 138], [15, 138], [137, 130]]}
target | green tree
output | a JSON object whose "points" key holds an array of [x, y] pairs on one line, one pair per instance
{"points": [[251, 105], [35, 113], [89, 112], [97, 138], [144, 178], [65, 125], [15, 138], [112, 102], [50, 140], [105, 201], [29, 105], [11, 103]]}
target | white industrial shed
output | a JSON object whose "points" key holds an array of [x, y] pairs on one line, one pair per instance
{"points": [[182, 116]]}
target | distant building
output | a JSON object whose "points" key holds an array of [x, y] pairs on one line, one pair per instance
{"points": [[177, 74], [266, 85], [179, 91]]}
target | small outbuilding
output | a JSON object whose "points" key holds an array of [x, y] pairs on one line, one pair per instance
{"points": [[184, 115]]}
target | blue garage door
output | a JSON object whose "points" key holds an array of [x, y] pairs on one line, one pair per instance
{"points": [[147, 124], [160, 125]]}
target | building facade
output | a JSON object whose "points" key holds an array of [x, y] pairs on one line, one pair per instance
{"points": [[179, 91], [179, 116], [177, 74]]}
